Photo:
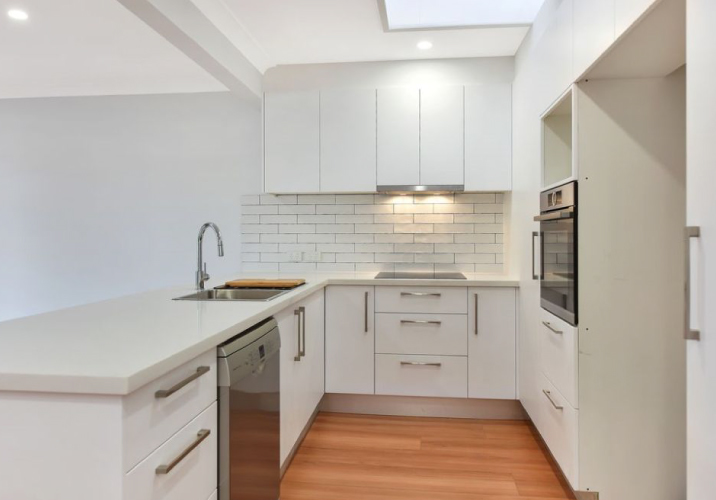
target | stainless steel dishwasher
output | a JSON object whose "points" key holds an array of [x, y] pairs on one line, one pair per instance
{"points": [[249, 414]]}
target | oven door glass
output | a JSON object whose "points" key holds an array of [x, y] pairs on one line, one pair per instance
{"points": [[559, 268]]}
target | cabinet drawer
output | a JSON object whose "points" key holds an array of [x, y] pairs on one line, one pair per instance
{"points": [[559, 346], [559, 429], [439, 334], [149, 420], [421, 299], [434, 376], [193, 477]]}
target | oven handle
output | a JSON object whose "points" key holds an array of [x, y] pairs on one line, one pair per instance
{"points": [[567, 213]]}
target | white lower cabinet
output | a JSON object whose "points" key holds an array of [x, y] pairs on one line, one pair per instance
{"points": [[302, 366], [492, 338], [350, 340], [409, 375], [560, 355], [441, 334], [183, 468]]}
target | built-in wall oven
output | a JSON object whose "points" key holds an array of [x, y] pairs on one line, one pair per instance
{"points": [[558, 256]]}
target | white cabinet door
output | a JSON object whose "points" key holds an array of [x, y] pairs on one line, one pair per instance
{"points": [[398, 136], [312, 386], [291, 142], [348, 140], [442, 136], [350, 340], [701, 211], [626, 12], [492, 331], [593, 32], [290, 372], [488, 137]]}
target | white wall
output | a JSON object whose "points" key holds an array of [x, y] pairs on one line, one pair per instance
{"points": [[103, 196]]}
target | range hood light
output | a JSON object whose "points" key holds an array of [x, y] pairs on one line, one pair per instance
{"points": [[427, 189]]}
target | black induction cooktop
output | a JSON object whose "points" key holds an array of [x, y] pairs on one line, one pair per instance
{"points": [[419, 276]]}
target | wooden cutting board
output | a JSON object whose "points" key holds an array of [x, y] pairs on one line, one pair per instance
{"points": [[259, 283]]}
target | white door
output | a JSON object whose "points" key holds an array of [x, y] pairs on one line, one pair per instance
{"points": [[314, 359], [442, 112], [701, 211], [291, 142], [626, 12], [348, 140], [288, 328], [492, 332], [488, 137], [398, 136], [350, 340]]}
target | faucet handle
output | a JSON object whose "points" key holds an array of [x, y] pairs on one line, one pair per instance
{"points": [[206, 275]]}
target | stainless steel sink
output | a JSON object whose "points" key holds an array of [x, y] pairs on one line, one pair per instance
{"points": [[260, 295]]}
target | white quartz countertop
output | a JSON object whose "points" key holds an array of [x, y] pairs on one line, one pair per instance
{"points": [[116, 346]]}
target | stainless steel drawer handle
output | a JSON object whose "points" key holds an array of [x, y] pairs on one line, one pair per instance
{"points": [[549, 396], [477, 314], [419, 322], [549, 325], [301, 331], [365, 319], [689, 333], [417, 363], [165, 393], [420, 294], [200, 436]]}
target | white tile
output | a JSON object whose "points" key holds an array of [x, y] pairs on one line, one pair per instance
{"points": [[275, 257], [250, 257], [413, 248], [354, 257], [316, 238], [271, 209], [435, 258], [489, 208], [434, 238], [261, 267], [297, 209], [322, 257], [454, 209], [415, 209], [250, 219], [337, 268], [488, 228], [499, 258], [392, 199], [415, 268], [374, 248], [393, 219], [434, 218], [336, 248], [489, 248], [250, 199], [259, 228], [474, 258], [259, 247], [354, 219], [475, 198], [434, 198], [474, 238], [278, 238], [278, 219], [335, 209], [316, 199], [335, 228], [376, 267], [374, 209], [499, 198], [316, 219], [499, 238], [394, 257], [283, 199], [474, 219], [489, 268], [394, 238], [354, 199], [455, 248], [414, 228], [297, 247], [297, 228], [499, 218], [455, 268], [354, 238], [454, 228], [250, 238], [374, 228], [297, 267]]}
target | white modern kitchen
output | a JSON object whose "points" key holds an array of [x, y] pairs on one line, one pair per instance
{"points": [[357, 250]]}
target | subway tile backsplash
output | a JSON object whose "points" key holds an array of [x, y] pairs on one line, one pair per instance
{"points": [[366, 232]]}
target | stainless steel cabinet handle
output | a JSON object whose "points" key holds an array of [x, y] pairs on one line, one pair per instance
{"points": [[535, 234], [166, 469], [366, 313], [303, 329], [549, 396], [301, 338], [419, 322], [477, 312], [165, 393], [420, 294], [416, 363], [689, 333], [549, 325]]}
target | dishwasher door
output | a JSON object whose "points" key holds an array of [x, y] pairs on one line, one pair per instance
{"points": [[249, 418]]}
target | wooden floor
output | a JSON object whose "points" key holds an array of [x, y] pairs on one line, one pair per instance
{"points": [[360, 457]]}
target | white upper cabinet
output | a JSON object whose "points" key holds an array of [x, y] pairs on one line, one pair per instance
{"points": [[348, 140], [593, 32], [291, 142], [488, 137], [398, 136], [626, 12], [442, 136]]}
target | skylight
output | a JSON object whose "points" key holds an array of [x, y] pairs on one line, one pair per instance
{"points": [[424, 14]]}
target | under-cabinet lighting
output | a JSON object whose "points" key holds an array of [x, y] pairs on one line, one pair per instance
{"points": [[425, 45]]}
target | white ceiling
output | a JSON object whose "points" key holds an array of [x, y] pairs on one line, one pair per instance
{"points": [[272, 32], [89, 47]]}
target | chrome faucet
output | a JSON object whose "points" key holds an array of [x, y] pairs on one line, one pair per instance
{"points": [[201, 274]]}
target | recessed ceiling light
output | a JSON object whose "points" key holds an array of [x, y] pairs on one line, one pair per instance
{"points": [[425, 45], [18, 15]]}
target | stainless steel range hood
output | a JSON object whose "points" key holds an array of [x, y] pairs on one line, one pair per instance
{"points": [[434, 189]]}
